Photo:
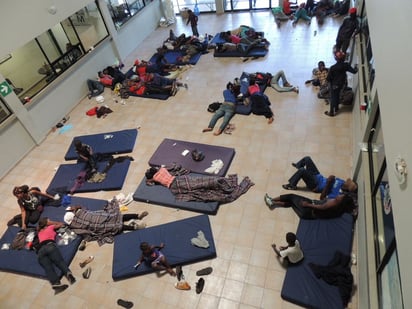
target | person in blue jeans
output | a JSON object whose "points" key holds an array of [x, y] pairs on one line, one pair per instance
{"points": [[226, 110], [49, 255], [328, 187]]}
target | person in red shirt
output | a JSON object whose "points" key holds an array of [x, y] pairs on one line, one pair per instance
{"points": [[49, 255]]}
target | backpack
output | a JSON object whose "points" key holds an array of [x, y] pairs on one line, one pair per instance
{"points": [[19, 240], [346, 97]]}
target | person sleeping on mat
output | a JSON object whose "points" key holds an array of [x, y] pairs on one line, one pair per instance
{"points": [[198, 188]]}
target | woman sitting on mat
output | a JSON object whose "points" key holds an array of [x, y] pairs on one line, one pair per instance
{"points": [[198, 188], [31, 202], [306, 208]]}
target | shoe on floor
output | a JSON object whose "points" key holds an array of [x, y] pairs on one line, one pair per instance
{"points": [[86, 261], [82, 245], [288, 186], [268, 201], [86, 273], [58, 288], [70, 278], [205, 271], [124, 303], [142, 215], [200, 285], [330, 114], [182, 285]]}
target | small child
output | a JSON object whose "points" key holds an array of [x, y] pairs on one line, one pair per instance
{"points": [[292, 252], [153, 256]]}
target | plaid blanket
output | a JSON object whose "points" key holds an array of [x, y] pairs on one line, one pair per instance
{"points": [[100, 225], [209, 188]]}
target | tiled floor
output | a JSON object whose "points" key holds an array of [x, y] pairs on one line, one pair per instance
{"points": [[246, 273]]}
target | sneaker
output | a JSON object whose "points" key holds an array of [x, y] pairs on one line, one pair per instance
{"points": [[296, 89], [288, 186], [70, 278], [287, 85], [268, 201], [137, 226], [58, 288]]}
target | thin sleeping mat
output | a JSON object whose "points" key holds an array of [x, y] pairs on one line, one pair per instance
{"points": [[160, 195], [178, 247], [65, 179], [172, 57], [171, 151], [105, 143], [320, 240], [254, 52], [24, 262]]}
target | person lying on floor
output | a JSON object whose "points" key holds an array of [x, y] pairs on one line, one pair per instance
{"points": [[226, 109], [153, 84], [328, 187], [260, 103], [306, 208], [198, 188], [102, 225]]}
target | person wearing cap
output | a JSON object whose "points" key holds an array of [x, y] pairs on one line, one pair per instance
{"points": [[348, 29], [337, 81]]}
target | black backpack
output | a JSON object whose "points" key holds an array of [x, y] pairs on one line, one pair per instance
{"points": [[213, 107]]}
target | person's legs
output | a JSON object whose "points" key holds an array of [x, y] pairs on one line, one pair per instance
{"points": [[274, 83], [218, 114], [127, 217], [334, 101], [56, 258], [47, 264], [307, 163], [305, 175], [345, 45], [32, 216], [229, 112]]}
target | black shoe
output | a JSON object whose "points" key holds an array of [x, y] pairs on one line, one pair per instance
{"points": [[124, 303], [71, 278], [200, 285], [330, 114], [288, 186], [205, 271], [58, 288]]}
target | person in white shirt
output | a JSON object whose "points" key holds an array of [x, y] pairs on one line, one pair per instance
{"points": [[292, 252]]}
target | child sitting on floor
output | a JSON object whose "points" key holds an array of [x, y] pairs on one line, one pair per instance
{"points": [[153, 256], [292, 253]]}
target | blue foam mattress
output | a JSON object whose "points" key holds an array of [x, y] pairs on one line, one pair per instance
{"points": [[178, 248], [105, 143]]}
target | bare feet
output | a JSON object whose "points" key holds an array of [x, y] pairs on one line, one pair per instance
{"points": [[270, 120], [207, 130], [218, 132]]}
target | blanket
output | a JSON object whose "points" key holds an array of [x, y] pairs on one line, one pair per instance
{"points": [[100, 225], [209, 188]]}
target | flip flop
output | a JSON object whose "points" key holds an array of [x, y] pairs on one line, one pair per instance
{"points": [[205, 271], [200, 285], [86, 273], [86, 261], [124, 303]]}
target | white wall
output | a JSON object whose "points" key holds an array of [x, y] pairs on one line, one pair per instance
{"points": [[31, 123], [391, 33]]}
